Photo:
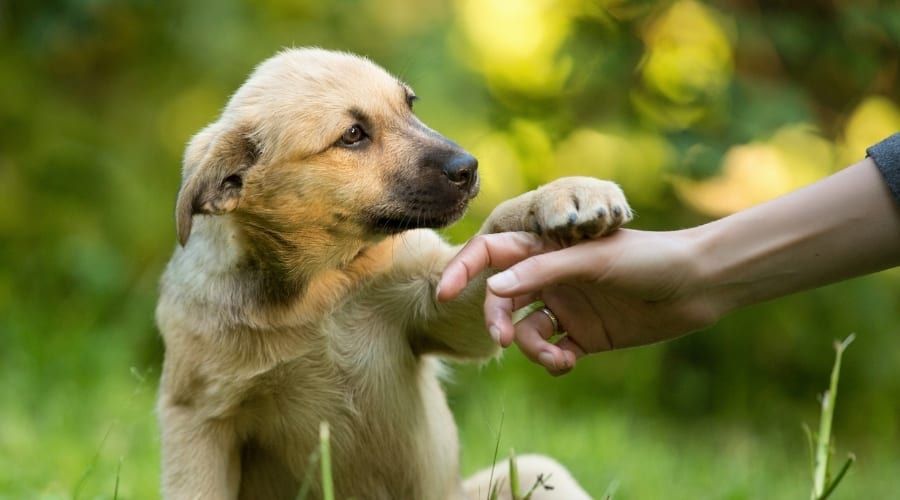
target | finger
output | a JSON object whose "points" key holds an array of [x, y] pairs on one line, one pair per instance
{"points": [[521, 301], [571, 350], [534, 273], [498, 315], [531, 337], [497, 251], [498, 318]]}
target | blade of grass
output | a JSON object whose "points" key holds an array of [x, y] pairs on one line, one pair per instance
{"points": [[610, 490], [118, 473], [311, 464], [494, 488], [325, 453], [139, 387], [495, 492], [514, 476], [810, 443], [93, 464], [540, 482], [823, 446]]}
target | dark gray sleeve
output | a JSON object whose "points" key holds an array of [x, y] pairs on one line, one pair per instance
{"points": [[886, 155]]}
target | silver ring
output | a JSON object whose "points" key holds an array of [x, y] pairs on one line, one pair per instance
{"points": [[552, 317]]}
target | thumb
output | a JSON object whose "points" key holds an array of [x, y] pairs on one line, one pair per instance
{"points": [[540, 271]]}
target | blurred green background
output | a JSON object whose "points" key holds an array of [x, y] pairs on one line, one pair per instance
{"points": [[696, 110]]}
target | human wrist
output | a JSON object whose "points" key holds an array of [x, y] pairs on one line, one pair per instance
{"points": [[709, 271]]}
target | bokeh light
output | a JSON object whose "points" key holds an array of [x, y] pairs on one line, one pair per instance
{"points": [[515, 43]]}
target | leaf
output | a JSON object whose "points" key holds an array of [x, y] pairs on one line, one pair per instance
{"points": [[840, 475]]}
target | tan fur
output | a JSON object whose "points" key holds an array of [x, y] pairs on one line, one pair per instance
{"points": [[282, 308]]}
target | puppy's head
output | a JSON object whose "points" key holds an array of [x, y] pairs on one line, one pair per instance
{"points": [[321, 146]]}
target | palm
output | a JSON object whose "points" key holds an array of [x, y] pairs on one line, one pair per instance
{"points": [[598, 319]]}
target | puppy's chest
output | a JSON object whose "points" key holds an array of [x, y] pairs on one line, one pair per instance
{"points": [[358, 374]]}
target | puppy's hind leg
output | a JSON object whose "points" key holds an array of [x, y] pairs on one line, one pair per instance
{"points": [[264, 477], [555, 481]]}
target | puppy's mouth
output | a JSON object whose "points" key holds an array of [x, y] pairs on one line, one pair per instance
{"points": [[390, 222]]}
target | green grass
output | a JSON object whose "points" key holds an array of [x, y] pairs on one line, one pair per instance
{"points": [[66, 442], [101, 439], [650, 456]]}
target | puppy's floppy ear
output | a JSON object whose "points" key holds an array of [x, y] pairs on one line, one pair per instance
{"points": [[214, 166]]}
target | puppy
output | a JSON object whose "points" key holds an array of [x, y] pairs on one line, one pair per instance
{"points": [[303, 290]]}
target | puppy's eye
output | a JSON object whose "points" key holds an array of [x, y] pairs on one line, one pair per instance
{"points": [[353, 135]]}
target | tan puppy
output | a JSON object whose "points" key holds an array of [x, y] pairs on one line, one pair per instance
{"points": [[303, 290]]}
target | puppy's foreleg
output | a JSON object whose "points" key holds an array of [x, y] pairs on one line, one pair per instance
{"points": [[455, 328], [200, 457]]}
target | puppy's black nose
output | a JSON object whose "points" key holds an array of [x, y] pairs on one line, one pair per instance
{"points": [[460, 169]]}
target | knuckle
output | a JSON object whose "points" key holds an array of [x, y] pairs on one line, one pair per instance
{"points": [[531, 243], [482, 240], [534, 264]]}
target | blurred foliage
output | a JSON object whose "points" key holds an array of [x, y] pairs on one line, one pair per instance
{"points": [[697, 110]]}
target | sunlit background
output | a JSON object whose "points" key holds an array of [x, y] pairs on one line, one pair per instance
{"points": [[697, 111]]}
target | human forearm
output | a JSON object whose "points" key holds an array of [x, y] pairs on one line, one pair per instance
{"points": [[843, 226]]}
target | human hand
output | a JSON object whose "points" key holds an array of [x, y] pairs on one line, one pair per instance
{"points": [[628, 289]]}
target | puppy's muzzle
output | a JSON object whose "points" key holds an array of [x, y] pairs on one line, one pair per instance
{"points": [[433, 192]]}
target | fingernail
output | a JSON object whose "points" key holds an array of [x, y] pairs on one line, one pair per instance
{"points": [[547, 360], [502, 281], [495, 333]]}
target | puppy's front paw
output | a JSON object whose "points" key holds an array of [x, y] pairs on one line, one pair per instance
{"points": [[572, 209]]}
